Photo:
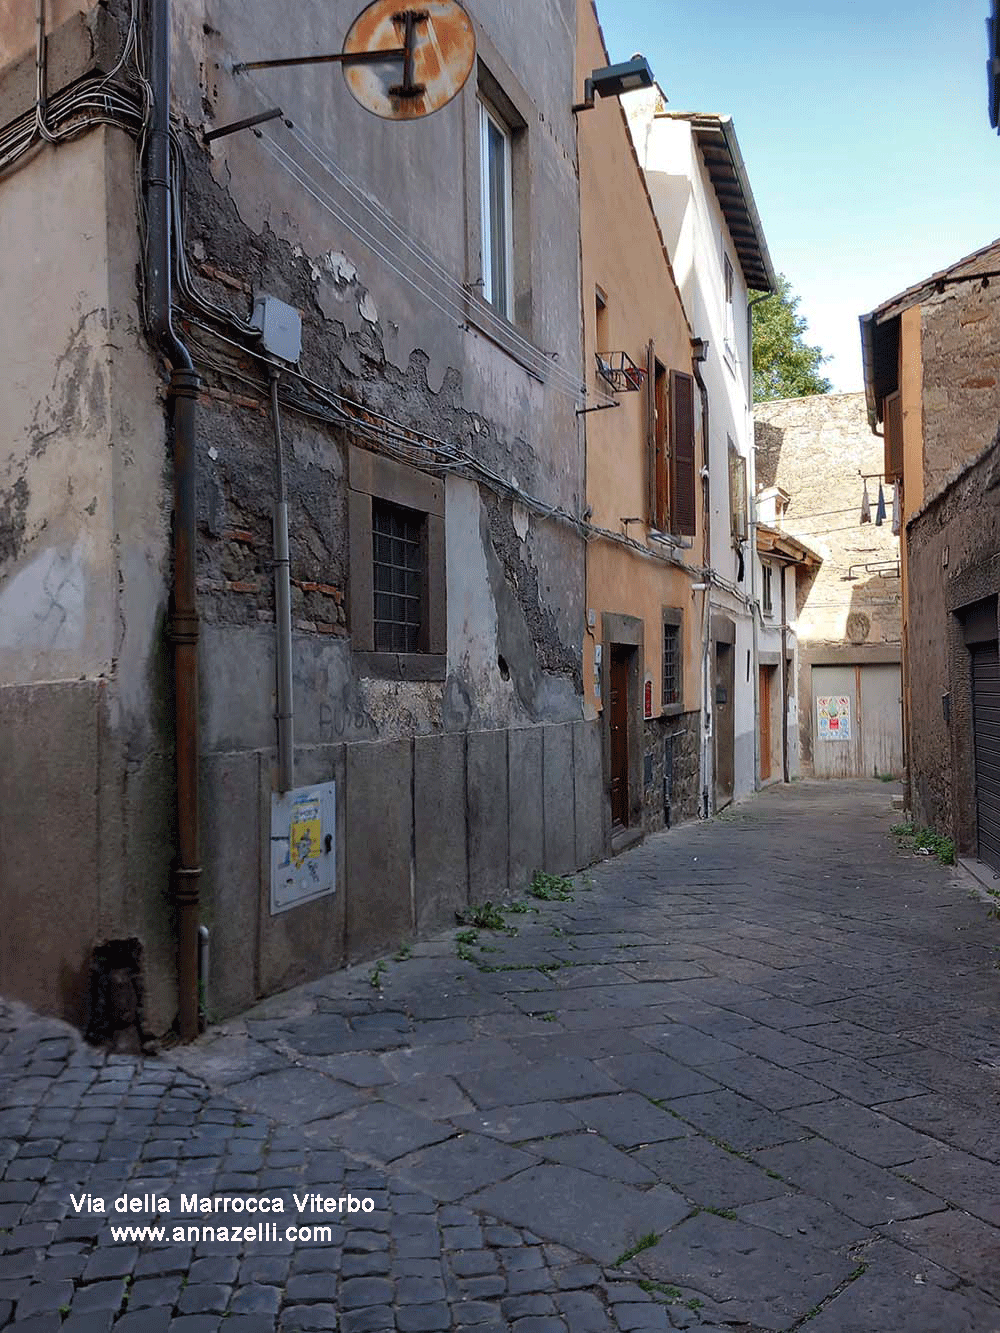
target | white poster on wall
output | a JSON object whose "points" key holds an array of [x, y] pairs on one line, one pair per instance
{"points": [[833, 712]]}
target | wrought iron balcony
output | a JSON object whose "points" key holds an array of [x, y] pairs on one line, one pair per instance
{"points": [[619, 372]]}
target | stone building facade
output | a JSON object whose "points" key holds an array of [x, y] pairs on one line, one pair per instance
{"points": [[817, 450], [954, 573], [462, 761], [932, 366]]}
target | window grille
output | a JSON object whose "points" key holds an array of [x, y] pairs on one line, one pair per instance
{"points": [[671, 665], [398, 577]]}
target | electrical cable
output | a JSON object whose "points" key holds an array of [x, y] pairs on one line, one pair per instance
{"points": [[440, 281], [94, 100], [432, 455], [452, 306]]}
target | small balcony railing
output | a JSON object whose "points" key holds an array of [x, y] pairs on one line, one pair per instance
{"points": [[619, 372]]}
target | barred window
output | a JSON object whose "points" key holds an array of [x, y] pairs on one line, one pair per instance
{"points": [[671, 664], [398, 577]]}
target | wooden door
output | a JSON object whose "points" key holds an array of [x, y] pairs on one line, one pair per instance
{"points": [[765, 723], [725, 723], [619, 737]]}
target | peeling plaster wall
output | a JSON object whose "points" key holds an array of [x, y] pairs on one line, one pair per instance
{"points": [[405, 350], [377, 246], [84, 792]]}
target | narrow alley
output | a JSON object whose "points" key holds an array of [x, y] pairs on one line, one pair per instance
{"points": [[742, 1076]]}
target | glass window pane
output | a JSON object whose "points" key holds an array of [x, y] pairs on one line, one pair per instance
{"points": [[496, 207]]}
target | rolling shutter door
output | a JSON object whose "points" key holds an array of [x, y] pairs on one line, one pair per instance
{"points": [[986, 727]]}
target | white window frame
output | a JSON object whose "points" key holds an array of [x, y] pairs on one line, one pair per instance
{"points": [[502, 302], [728, 294]]}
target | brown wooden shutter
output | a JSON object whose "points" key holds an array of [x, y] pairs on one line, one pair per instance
{"points": [[892, 410], [684, 487], [661, 397], [651, 434]]}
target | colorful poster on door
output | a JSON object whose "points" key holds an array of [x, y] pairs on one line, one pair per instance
{"points": [[834, 714]]}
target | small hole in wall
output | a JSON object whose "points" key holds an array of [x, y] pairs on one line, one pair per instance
{"points": [[504, 668]]}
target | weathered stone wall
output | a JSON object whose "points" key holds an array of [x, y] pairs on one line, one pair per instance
{"points": [[960, 351], [954, 560], [814, 448], [425, 826], [671, 770]]}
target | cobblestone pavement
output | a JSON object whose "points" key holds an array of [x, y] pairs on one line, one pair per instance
{"points": [[747, 1076]]}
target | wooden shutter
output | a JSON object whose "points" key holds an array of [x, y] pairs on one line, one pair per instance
{"points": [[651, 434], [892, 410], [684, 479]]}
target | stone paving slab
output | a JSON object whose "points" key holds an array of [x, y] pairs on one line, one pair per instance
{"points": [[758, 1276], [741, 1078]]}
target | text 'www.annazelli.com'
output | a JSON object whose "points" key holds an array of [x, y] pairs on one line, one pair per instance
{"points": [[201, 1234], [261, 1208]]}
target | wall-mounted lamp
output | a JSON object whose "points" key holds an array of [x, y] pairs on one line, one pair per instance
{"points": [[699, 349], [614, 80]]}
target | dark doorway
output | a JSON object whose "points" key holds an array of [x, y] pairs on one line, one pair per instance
{"points": [[619, 735], [766, 740], [725, 723], [986, 729]]}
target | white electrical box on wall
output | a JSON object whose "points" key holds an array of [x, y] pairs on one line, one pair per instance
{"points": [[280, 327], [303, 845]]}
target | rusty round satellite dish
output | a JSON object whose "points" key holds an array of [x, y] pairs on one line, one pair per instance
{"points": [[430, 50]]}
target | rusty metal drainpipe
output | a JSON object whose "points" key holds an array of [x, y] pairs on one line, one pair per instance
{"points": [[182, 393]]}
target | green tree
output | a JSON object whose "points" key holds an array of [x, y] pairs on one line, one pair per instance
{"points": [[784, 364]]}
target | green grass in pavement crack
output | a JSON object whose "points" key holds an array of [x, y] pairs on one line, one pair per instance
{"points": [[645, 1242], [484, 916], [551, 888], [925, 840], [467, 937], [404, 952], [671, 1294], [727, 1213], [375, 976]]}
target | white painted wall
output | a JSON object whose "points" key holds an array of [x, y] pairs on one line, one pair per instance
{"points": [[697, 240]]}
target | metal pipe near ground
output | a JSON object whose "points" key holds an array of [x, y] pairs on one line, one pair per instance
{"points": [[282, 608], [183, 393]]}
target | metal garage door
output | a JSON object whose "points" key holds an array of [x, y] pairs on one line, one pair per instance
{"points": [[986, 726], [857, 725]]}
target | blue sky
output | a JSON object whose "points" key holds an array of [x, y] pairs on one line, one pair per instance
{"points": [[864, 129]]}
